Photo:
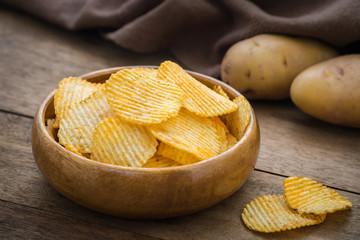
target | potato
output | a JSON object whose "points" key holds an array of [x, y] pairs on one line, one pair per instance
{"points": [[330, 90], [264, 66]]}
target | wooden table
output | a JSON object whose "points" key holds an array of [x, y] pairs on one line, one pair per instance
{"points": [[35, 56]]}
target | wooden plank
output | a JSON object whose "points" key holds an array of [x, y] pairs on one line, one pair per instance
{"points": [[293, 144], [20, 222], [35, 56], [23, 184], [321, 151]]}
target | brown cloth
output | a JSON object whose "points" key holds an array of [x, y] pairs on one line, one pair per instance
{"points": [[199, 32]]}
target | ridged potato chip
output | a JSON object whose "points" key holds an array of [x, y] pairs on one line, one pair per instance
{"points": [[140, 98], [198, 98], [230, 140], [71, 91], [122, 143], [218, 89], [272, 213], [158, 161], [238, 121], [222, 131], [190, 133], [185, 157], [152, 72], [176, 154], [189, 130], [78, 125], [308, 196]]}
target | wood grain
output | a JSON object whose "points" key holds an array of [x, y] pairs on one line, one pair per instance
{"points": [[20, 222], [25, 186], [37, 54], [292, 143], [91, 184], [295, 144]]}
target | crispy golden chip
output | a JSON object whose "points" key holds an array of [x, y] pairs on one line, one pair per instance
{"points": [[141, 98], [218, 89], [122, 143], [308, 196], [222, 130], [230, 140], [152, 72], [176, 154], [238, 121], [198, 98], [244, 112], [78, 125], [158, 161], [71, 91], [190, 133], [272, 213]]}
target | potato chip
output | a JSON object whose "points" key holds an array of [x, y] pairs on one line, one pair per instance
{"points": [[140, 98], [218, 89], [198, 98], [122, 143], [152, 72], [78, 125], [71, 91], [230, 140], [222, 131], [238, 121], [176, 154], [158, 161], [308, 196], [272, 213], [190, 133]]}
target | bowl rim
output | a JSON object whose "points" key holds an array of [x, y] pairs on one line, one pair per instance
{"points": [[40, 117]]}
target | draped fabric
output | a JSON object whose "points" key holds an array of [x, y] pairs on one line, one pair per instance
{"points": [[199, 32]]}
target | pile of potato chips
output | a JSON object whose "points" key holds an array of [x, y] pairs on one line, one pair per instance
{"points": [[144, 117], [305, 202]]}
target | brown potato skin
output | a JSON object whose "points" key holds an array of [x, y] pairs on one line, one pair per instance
{"points": [[264, 66], [330, 91]]}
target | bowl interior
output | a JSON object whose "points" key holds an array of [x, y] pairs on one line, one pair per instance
{"points": [[184, 189], [101, 76]]}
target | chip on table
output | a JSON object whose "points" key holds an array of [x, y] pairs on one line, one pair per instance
{"points": [[308, 196], [272, 213]]}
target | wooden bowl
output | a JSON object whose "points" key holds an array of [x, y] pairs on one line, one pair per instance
{"points": [[143, 193]]}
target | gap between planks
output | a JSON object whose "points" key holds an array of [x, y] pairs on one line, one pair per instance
{"points": [[17, 114], [285, 176]]}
